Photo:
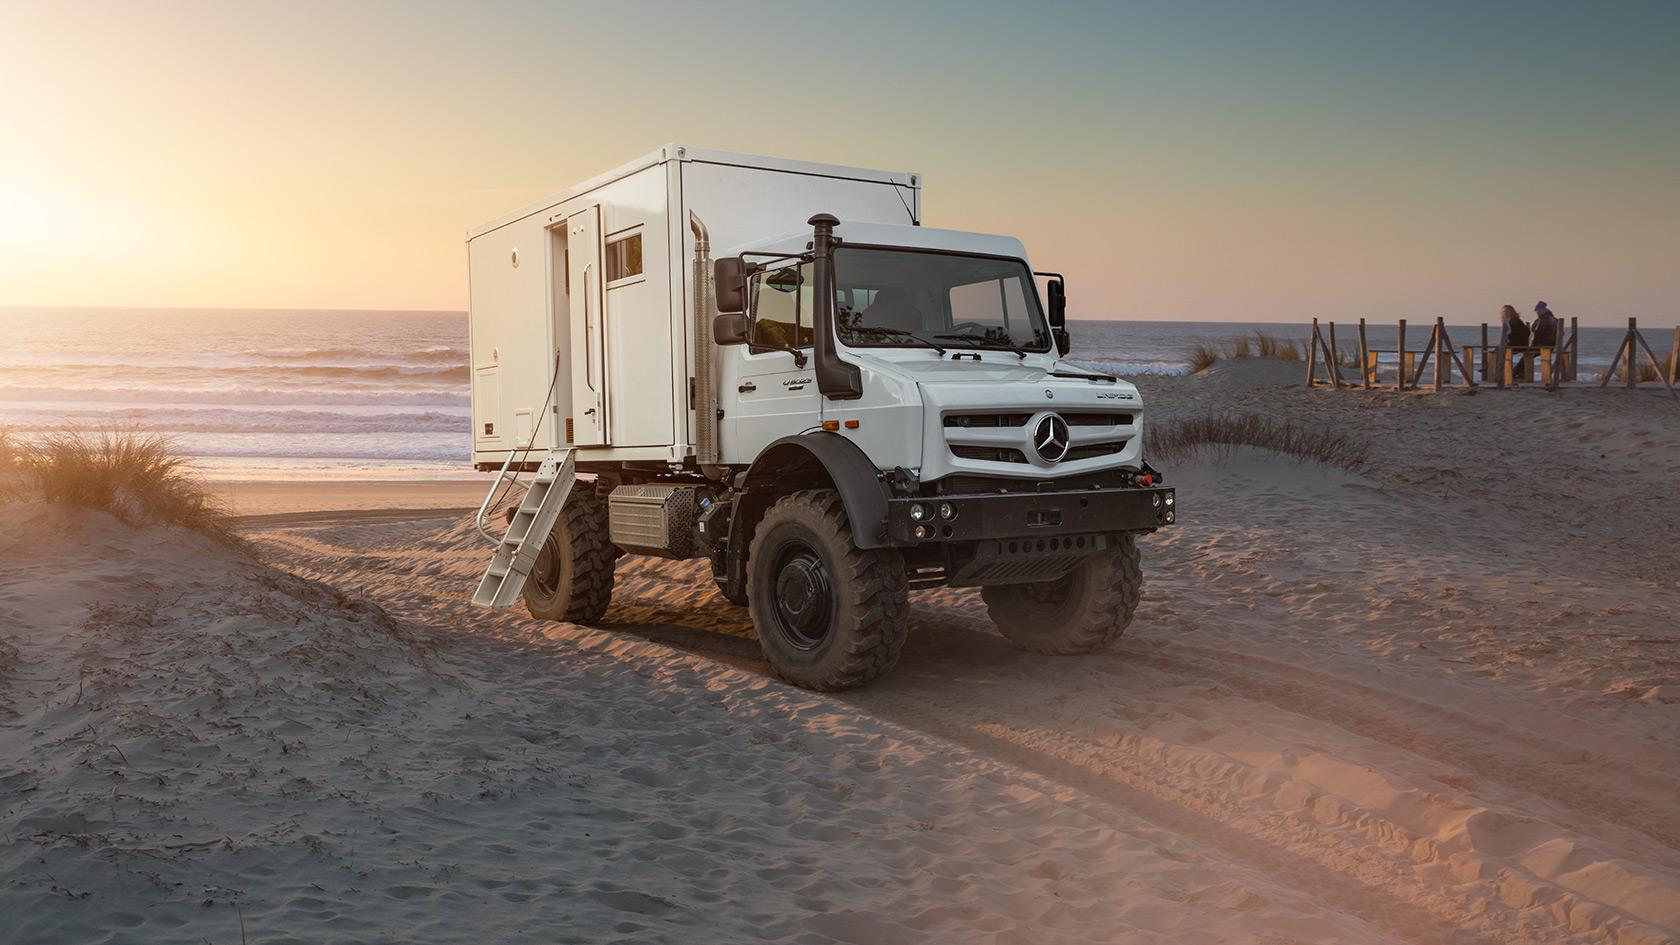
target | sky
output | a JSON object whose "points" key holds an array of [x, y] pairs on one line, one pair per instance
{"points": [[1187, 160]]}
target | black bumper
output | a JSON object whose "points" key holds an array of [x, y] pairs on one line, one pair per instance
{"points": [[987, 516]]}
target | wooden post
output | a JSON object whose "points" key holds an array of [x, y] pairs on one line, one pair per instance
{"points": [[1408, 363], [1443, 373], [1371, 362], [1546, 373], [1674, 357], [1486, 358], [1312, 355], [1365, 378], [1574, 348], [1335, 360], [1502, 362], [1632, 362], [1400, 355]]}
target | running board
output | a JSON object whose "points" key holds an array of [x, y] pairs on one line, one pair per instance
{"points": [[517, 552]]}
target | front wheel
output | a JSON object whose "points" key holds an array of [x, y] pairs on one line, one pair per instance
{"points": [[1084, 611], [828, 615]]}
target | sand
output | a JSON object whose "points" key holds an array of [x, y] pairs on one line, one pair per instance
{"points": [[1436, 700], [250, 498]]}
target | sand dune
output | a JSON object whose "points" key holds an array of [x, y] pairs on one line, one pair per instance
{"points": [[1434, 701]]}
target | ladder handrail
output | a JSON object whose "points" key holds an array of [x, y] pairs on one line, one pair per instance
{"points": [[490, 497]]}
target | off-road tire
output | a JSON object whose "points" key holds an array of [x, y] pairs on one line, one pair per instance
{"points": [[1083, 612], [867, 593], [581, 588]]}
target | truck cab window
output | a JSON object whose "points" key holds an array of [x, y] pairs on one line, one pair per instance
{"points": [[781, 305], [900, 298]]}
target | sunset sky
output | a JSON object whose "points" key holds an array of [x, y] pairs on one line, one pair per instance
{"points": [[1189, 160]]}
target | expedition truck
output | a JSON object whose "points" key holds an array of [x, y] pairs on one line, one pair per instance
{"points": [[773, 365]]}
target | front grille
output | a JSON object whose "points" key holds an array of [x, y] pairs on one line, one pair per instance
{"points": [[1098, 419], [966, 420], [1094, 449], [990, 454]]}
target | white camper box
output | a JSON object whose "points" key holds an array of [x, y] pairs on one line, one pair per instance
{"points": [[591, 291]]}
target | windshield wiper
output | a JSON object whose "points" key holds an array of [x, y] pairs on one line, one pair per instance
{"points": [[995, 342], [1093, 376], [878, 330]]}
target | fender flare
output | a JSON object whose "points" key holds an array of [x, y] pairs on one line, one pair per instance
{"points": [[855, 478]]}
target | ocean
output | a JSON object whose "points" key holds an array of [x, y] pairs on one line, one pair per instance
{"points": [[268, 394]]}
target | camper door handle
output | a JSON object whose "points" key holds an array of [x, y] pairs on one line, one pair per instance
{"points": [[747, 388], [588, 334]]}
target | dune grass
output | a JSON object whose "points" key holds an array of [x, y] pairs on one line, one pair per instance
{"points": [[1203, 355], [1218, 433], [135, 476], [1646, 374]]}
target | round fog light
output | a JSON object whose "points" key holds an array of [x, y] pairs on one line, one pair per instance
{"points": [[1169, 500], [1169, 518], [1156, 499], [947, 511], [918, 512], [923, 532]]}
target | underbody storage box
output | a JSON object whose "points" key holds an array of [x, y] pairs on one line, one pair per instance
{"points": [[654, 519]]}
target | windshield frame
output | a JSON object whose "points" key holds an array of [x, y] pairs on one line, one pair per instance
{"points": [[1026, 269]]}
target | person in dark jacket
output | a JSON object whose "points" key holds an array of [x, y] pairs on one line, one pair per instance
{"points": [[1516, 336], [1547, 327]]}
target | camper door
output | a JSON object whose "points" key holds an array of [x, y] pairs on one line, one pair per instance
{"points": [[588, 423]]}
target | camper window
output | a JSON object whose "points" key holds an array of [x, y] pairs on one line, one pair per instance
{"points": [[624, 257]]}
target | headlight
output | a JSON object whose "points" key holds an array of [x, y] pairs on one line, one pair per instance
{"points": [[922, 532], [1156, 499], [947, 511], [1169, 518], [1169, 500], [918, 512]]}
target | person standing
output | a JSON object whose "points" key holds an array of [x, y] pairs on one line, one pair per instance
{"points": [[1548, 329], [1516, 336]]}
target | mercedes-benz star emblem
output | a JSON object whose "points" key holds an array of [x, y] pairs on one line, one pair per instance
{"points": [[1050, 438]]}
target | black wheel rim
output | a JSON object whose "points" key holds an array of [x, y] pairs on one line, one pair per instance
{"points": [[545, 572], [804, 597]]}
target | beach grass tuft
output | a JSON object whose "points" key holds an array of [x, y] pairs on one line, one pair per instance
{"points": [[1647, 374], [1219, 433], [137, 477], [1203, 355]]}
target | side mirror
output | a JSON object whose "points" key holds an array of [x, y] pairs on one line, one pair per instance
{"points": [[730, 329], [729, 278], [1058, 303]]}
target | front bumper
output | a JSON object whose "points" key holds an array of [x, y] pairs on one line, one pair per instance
{"points": [[986, 516]]}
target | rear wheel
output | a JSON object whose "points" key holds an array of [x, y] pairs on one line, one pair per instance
{"points": [[1083, 612], [572, 579], [828, 615]]}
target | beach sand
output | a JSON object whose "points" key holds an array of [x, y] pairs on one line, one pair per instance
{"points": [[1437, 700], [292, 496]]}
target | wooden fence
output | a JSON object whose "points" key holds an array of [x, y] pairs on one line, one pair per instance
{"points": [[1508, 364]]}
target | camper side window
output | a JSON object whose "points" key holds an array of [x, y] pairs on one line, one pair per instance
{"points": [[624, 257], [781, 300]]}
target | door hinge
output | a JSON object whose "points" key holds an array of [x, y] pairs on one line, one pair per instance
{"points": [[691, 392]]}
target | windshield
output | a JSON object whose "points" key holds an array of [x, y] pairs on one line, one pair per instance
{"points": [[895, 297]]}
